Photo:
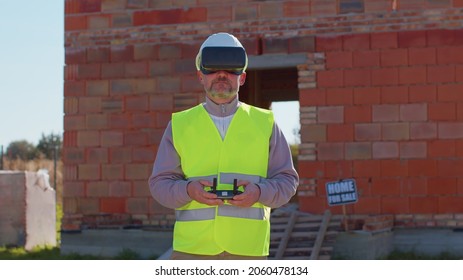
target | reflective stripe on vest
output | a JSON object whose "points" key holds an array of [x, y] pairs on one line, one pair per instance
{"points": [[240, 212], [195, 214], [223, 210]]}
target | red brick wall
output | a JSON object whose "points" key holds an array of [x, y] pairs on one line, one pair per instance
{"points": [[387, 112], [379, 98]]}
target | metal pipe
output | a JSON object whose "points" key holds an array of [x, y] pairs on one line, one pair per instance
{"points": [[1, 157], [54, 165]]}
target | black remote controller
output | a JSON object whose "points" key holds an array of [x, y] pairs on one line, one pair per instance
{"points": [[225, 194]]}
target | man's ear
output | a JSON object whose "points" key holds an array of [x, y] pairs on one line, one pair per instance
{"points": [[242, 78], [200, 76]]}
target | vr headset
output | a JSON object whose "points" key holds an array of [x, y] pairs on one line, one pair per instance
{"points": [[230, 59]]}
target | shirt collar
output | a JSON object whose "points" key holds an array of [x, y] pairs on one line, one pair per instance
{"points": [[221, 110]]}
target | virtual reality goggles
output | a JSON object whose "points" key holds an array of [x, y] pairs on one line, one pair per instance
{"points": [[230, 59]]}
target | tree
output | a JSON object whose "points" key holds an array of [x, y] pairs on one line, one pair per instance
{"points": [[49, 144], [21, 150]]}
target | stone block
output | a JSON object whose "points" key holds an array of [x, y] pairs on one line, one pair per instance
{"points": [[27, 209]]}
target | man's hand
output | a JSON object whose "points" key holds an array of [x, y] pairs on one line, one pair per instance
{"points": [[250, 195], [195, 190]]}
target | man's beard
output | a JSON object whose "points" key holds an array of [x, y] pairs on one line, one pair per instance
{"points": [[226, 91]]}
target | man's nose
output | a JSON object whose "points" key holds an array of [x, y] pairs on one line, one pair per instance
{"points": [[222, 73]]}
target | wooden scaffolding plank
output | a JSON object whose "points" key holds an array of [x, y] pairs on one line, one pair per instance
{"points": [[301, 234], [307, 249], [284, 240], [321, 235], [298, 235], [301, 218], [313, 225]]}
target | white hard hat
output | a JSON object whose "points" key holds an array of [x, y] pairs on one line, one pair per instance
{"points": [[221, 39]]}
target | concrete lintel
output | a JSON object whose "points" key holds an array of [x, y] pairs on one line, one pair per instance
{"points": [[271, 61]]}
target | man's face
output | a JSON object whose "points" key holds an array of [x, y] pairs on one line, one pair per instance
{"points": [[221, 86]]}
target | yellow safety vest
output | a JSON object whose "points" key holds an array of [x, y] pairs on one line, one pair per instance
{"points": [[242, 155]]}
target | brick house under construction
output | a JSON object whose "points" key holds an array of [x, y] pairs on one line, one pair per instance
{"points": [[379, 83]]}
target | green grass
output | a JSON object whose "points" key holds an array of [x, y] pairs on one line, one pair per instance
{"points": [[59, 217], [47, 253], [53, 253]]}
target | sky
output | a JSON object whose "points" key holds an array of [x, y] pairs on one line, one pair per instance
{"points": [[286, 116], [31, 69], [31, 73]]}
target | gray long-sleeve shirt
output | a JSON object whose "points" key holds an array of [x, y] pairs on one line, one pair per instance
{"points": [[168, 183]]}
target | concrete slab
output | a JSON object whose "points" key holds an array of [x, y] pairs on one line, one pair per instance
{"points": [[108, 243], [429, 241], [362, 245]]}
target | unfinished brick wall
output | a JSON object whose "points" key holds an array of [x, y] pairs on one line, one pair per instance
{"points": [[387, 111], [379, 98]]}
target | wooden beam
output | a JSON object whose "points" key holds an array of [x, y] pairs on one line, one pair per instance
{"points": [[321, 235], [286, 236]]}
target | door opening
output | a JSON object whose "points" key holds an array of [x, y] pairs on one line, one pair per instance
{"points": [[276, 89]]}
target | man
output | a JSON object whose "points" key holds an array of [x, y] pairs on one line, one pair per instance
{"points": [[223, 164]]}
